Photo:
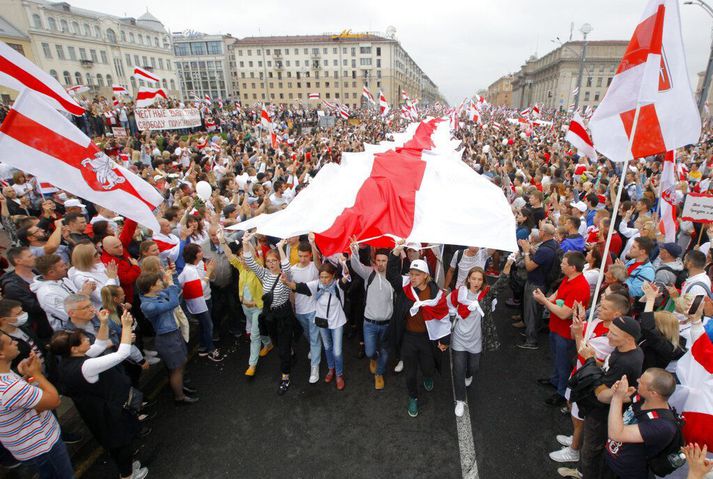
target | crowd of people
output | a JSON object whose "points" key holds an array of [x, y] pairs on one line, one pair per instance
{"points": [[91, 300]]}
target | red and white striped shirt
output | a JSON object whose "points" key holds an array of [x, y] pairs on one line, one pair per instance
{"points": [[196, 287], [24, 432]]}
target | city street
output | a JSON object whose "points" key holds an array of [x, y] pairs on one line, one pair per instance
{"points": [[243, 429]]}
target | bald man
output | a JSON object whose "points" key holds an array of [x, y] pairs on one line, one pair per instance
{"points": [[116, 249]]}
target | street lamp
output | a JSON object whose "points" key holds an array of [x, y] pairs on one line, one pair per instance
{"points": [[709, 67], [586, 29]]}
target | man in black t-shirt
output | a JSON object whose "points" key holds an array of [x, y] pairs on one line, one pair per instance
{"points": [[626, 360], [646, 427]]}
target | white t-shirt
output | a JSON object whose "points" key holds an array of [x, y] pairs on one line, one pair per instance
{"points": [[467, 263], [696, 289], [304, 304]]}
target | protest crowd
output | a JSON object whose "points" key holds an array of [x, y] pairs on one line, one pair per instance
{"points": [[91, 299]]}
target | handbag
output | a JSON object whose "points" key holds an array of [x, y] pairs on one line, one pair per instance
{"points": [[134, 401], [266, 303], [269, 296], [324, 322]]}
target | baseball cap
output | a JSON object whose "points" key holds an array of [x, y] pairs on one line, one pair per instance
{"points": [[629, 325], [74, 203], [413, 245], [673, 249], [419, 265], [580, 205]]}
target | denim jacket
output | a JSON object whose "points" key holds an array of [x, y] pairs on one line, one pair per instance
{"points": [[159, 309]]}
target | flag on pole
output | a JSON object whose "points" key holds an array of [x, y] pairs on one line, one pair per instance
{"points": [[314, 96], [667, 193], [119, 89], [367, 94], [42, 142], [145, 75], [652, 76], [77, 89], [579, 138], [206, 99], [265, 120], [148, 96], [17, 72], [575, 91], [383, 104], [344, 112]]}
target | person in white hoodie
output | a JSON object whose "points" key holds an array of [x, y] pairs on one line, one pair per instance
{"points": [[52, 286], [89, 267]]}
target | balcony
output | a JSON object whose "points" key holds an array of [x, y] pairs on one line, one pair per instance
{"points": [[278, 66], [86, 63]]}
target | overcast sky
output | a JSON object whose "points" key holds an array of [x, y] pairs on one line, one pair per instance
{"points": [[462, 45]]}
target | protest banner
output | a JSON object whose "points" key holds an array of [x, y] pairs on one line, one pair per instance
{"points": [[698, 208], [167, 119], [118, 131]]}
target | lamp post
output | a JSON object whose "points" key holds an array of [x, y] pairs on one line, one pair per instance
{"points": [[586, 29], [709, 68]]}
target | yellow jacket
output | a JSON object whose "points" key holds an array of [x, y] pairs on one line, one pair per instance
{"points": [[247, 277]]}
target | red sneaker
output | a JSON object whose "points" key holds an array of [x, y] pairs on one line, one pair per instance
{"points": [[340, 382], [329, 377]]}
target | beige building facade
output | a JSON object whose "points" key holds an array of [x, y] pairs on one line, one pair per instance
{"points": [[500, 91], [552, 79], [20, 42], [85, 47], [205, 65], [286, 69]]}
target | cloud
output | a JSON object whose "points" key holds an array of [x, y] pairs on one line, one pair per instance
{"points": [[462, 46]]}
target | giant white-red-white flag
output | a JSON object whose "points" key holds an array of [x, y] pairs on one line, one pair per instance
{"points": [[148, 96], [41, 141], [383, 104], [669, 201], [695, 371], [652, 75], [579, 138], [142, 74], [18, 73]]}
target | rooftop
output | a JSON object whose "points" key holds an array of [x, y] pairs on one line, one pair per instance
{"points": [[302, 39], [8, 30], [146, 21]]}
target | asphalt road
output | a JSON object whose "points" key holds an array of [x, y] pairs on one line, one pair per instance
{"points": [[242, 428]]}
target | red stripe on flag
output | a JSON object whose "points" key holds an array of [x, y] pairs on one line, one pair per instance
{"points": [[702, 351], [33, 83], [163, 245], [386, 202], [648, 139], [579, 130], [647, 39], [698, 428], [193, 289]]}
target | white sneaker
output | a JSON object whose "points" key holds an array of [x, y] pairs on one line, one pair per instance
{"points": [[399, 367], [135, 465], [468, 381], [460, 408], [569, 472], [309, 355], [150, 353], [140, 473], [564, 440], [152, 360], [314, 374], [566, 454]]}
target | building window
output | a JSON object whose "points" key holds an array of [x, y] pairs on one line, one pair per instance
{"points": [[153, 62], [609, 81], [52, 23], [365, 62], [78, 78], [53, 74], [378, 63], [111, 35], [160, 63], [97, 32], [36, 21], [259, 64], [90, 79], [145, 61], [364, 49], [100, 80], [353, 51], [103, 57], [198, 48], [46, 50], [67, 78], [87, 31], [596, 96], [166, 43], [131, 37], [108, 80], [123, 36], [173, 84], [128, 60], [165, 83], [589, 81], [599, 81], [378, 51], [168, 65], [586, 96], [60, 52], [64, 26], [140, 39], [155, 42], [93, 53]]}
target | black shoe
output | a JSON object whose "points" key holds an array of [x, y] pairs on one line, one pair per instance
{"points": [[145, 431], [147, 416], [556, 400], [284, 386], [187, 400], [546, 382], [361, 354], [71, 437], [148, 404], [189, 390], [527, 345]]}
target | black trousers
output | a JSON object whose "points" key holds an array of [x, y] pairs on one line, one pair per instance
{"points": [[417, 351], [282, 327], [594, 439], [123, 456]]}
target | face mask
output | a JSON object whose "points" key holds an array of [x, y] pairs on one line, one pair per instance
{"points": [[20, 320], [62, 196]]}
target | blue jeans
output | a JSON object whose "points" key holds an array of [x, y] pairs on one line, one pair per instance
{"points": [[54, 464], [311, 332], [563, 351], [256, 340], [205, 326], [375, 342], [332, 340]]}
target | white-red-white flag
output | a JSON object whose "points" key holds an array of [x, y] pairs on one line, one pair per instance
{"points": [[148, 96], [17, 72], [265, 120], [579, 138], [669, 201], [652, 76], [206, 99], [367, 94], [695, 371], [119, 89], [41, 141], [344, 112], [313, 96], [77, 89], [142, 74], [383, 104]]}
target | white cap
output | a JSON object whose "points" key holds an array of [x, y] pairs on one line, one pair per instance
{"points": [[419, 265], [580, 205], [74, 203], [413, 245]]}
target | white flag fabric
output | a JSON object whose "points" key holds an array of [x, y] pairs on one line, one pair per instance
{"points": [[148, 96], [18, 73], [142, 74], [668, 202], [383, 104], [41, 141], [652, 75], [579, 138]]}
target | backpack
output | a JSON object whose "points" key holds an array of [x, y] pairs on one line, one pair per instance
{"points": [[459, 256], [582, 385], [702, 285], [554, 276], [681, 275], [669, 459]]}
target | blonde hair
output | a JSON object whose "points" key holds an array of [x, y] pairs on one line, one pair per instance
{"points": [[83, 256], [618, 271], [667, 324], [108, 293], [151, 264]]}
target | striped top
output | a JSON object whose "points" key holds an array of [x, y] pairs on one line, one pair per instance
{"points": [[23, 431], [281, 293]]}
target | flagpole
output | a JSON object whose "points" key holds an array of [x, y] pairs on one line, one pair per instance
{"points": [[615, 211]]}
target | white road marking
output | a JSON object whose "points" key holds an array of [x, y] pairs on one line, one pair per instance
{"points": [[468, 462]]}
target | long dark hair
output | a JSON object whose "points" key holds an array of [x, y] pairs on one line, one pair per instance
{"points": [[62, 342]]}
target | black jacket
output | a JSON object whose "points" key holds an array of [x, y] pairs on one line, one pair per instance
{"points": [[15, 287], [658, 351]]}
